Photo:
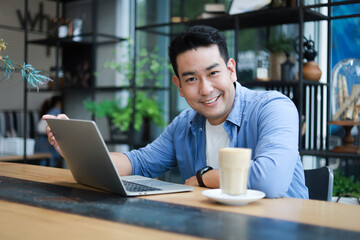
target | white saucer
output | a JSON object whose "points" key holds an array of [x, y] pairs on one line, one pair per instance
{"points": [[218, 196]]}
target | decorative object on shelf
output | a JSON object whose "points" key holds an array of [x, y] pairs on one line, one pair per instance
{"points": [[278, 3], [28, 72], [241, 6], [62, 79], [311, 70], [77, 24], [279, 47], [287, 70], [212, 10], [348, 140], [345, 108], [82, 75], [65, 27], [262, 66], [345, 80], [283, 3], [290, 3]]}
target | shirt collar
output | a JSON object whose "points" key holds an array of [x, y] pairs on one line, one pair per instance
{"points": [[235, 114]]}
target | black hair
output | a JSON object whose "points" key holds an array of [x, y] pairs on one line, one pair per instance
{"points": [[194, 37], [49, 103]]}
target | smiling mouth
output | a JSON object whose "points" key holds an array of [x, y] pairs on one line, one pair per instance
{"points": [[211, 100]]}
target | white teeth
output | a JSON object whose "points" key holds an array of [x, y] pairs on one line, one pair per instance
{"points": [[211, 101]]}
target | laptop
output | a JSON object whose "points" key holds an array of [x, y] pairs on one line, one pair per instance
{"points": [[88, 158]]}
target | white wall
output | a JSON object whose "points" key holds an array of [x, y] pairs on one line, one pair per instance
{"points": [[12, 91]]}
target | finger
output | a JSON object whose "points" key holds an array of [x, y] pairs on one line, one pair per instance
{"points": [[51, 140], [62, 116], [49, 132], [47, 116]]}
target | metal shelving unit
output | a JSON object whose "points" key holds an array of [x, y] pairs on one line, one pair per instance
{"points": [[69, 48], [301, 90]]}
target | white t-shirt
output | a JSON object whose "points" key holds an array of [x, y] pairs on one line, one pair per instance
{"points": [[216, 137]]}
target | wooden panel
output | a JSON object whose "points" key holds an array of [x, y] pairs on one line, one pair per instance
{"points": [[35, 156], [162, 216], [305, 211], [18, 221]]}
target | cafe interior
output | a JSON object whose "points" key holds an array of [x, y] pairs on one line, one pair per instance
{"points": [[105, 65]]}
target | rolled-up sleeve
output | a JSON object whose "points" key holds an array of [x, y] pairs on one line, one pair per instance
{"points": [[155, 158], [276, 153]]}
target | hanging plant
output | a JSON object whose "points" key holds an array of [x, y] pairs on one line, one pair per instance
{"points": [[28, 72]]}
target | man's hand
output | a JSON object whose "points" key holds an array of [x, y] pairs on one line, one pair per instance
{"points": [[192, 181], [50, 134], [210, 179]]}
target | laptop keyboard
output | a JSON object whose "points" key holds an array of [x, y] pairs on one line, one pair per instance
{"points": [[136, 187]]}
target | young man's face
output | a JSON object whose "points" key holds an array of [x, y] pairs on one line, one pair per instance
{"points": [[206, 82]]}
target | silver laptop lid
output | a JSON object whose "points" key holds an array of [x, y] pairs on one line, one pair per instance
{"points": [[86, 154], [90, 163]]}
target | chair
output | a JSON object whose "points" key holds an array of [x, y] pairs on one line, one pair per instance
{"points": [[320, 182]]}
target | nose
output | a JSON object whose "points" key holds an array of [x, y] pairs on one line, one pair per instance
{"points": [[205, 87]]}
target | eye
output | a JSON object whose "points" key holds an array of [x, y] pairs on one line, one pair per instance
{"points": [[213, 73], [190, 79]]}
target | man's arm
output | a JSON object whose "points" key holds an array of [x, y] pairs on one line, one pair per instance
{"points": [[210, 179], [276, 152], [122, 163]]}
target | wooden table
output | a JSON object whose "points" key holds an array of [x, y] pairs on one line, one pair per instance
{"points": [[59, 208], [14, 158]]}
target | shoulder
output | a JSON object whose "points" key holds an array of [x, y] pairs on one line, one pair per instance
{"points": [[266, 106], [272, 107], [254, 104], [256, 96], [267, 99]]}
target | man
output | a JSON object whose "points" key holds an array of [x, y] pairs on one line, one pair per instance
{"points": [[223, 114]]}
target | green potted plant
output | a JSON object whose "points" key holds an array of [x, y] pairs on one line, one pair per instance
{"points": [[346, 187], [280, 44], [280, 48], [121, 117], [149, 67]]}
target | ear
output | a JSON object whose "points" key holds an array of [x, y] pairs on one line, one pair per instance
{"points": [[231, 65], [177, 83]]}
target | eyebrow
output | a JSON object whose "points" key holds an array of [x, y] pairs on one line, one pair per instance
{"points": [[212, 66], [184, 74]]}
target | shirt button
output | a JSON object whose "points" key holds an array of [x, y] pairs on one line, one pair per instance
{"points": [[200, 129]]}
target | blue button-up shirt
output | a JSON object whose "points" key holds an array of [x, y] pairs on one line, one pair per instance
{"points": [[265, 121]]}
